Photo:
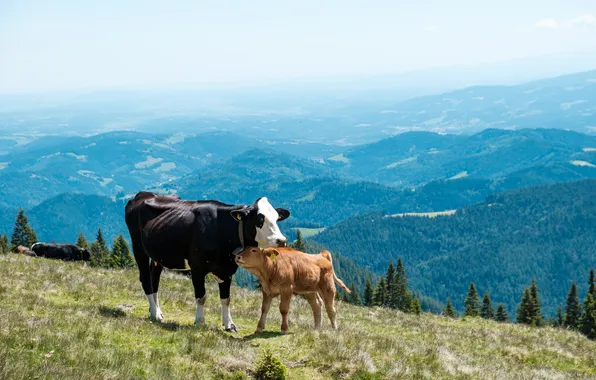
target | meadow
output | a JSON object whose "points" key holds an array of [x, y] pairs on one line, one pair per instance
{"points": [[70, 321]]}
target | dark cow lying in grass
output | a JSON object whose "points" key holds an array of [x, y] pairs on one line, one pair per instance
{"points": [[202, 236], [66, 252]]}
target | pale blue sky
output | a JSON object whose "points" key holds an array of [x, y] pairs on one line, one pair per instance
{"points": [[64, 44]]}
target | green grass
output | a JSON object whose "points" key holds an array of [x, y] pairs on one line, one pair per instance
{"points": [[67, 320]]}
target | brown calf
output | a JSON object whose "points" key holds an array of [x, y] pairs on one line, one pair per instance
{"points": [[25, 251], [286, 271]]}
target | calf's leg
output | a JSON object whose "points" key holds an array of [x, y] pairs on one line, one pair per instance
{"points": [[328, 294], [224, 295], [284, 309], [315, 303], [265, 305]]}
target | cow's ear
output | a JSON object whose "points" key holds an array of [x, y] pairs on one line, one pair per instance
{"points": [[283, 214], [239, 214]]}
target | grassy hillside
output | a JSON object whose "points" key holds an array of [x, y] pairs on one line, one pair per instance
{"points": [[69, 321], [544, 231]]}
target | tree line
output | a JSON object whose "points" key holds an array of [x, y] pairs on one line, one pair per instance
{"points": [[118, 256]]}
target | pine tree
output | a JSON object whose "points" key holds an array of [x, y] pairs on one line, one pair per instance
{"points": [[588, 323], [536, 313], [380, 295], [82, 241], [449, 310], [560, 317], [471, 302], [402, 295], [572, 309], [4, 244], [416, 307], [368, 293], [524, 310], [354, 297], [392, 298], [299, 243], [501, 315], [100, 253], [121, 257], [592, 283], [487, 311], [22, 233]]}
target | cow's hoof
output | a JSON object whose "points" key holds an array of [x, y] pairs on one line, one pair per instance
{"points": [[285, 332], [199, 323], [232, 328]]}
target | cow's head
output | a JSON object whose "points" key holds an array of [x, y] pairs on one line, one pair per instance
{"points": [[260, 223], [84, 254]]}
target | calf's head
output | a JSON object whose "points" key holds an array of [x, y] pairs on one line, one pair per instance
{"points": [[254, 257], [260, 223]]}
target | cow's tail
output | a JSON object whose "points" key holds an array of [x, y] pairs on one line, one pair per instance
{"points": [[326, 254]]}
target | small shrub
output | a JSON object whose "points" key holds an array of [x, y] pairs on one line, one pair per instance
{"points": [[270, 368]]}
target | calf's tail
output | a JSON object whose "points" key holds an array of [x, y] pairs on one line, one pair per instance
{"points": [[326, 254]]}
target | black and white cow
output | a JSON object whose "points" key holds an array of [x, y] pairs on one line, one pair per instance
{"points": [[202, 236], [67, 252]]}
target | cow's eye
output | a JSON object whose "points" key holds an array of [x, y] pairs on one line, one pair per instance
{"points": [[260, 220]]}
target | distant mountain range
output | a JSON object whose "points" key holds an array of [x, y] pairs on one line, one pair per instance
{"points": [[322, 114]]}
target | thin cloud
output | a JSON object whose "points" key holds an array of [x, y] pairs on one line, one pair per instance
{"points": [[589, 19], [548, 23], [584, 21]]}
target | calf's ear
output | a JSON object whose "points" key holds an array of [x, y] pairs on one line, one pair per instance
{"points": [[240, 214], [271, 252], [283, 214]]}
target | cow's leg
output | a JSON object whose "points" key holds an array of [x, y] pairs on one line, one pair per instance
{"points": [[265, 305], [316, 305], [284, 309], [224, 296], [198, 282], [155, 275], [143, 263]]}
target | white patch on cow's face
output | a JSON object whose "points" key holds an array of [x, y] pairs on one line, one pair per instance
{"points": [[269, 235]]}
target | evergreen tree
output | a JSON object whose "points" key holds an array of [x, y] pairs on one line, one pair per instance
{"points": [[449, 310], [471, 302], [299, 243], [487, 311], [380, 295], [588, 325], [100, 253], [524, 310], [560, 317], [121, 257], [392, 298], [588, 321], [82, 241], [572, 309], [416, 307], [368, 293], [22, 233], [501, 315], [354, 297], [402, 295], [4, 244], [536, 312]]}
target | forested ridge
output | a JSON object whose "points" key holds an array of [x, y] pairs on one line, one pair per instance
{"points": [[499, 244]]}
